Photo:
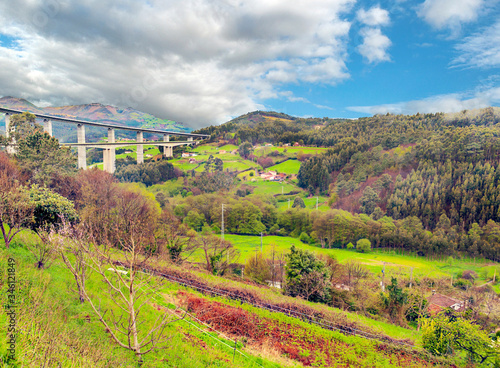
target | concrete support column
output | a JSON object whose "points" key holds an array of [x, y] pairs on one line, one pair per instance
{"points": [[82, 150], [140, 148], [109, 153], [7, 125], [190, 139], [105, 160], [11, 149], [47, 126], [166, 149]]}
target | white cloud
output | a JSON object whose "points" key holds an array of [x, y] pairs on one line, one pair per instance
{"points": [[195, 61], [441, 103], [450, 13], [481, 49], [375, 45], [374, 16]]}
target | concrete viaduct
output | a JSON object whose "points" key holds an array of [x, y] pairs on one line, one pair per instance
{"points": [[109, 147]]}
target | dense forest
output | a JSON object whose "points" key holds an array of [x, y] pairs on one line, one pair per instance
{"points": [[438, 172]]}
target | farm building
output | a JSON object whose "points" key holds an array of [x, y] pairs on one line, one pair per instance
{"points": [[438, 302]]}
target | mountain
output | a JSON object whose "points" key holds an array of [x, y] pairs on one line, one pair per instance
{"points": [[96, 112]]}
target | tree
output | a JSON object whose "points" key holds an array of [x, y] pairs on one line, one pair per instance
{"points": [[354, 272], [16, 213], [298, 202], [306, 275], [49, 210], [395, 301], [174, 238], [363, 245], [129, 290], [130, 239], [219, 254], [194, 220], [256, 268], [245, 149], [68, 242], [38, 152], [368, 200], [443, 335], [98, 199]]}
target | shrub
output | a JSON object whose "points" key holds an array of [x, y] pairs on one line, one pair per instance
{"points": [[257, 268], [304, 238], [363, 245], [298, 202]]}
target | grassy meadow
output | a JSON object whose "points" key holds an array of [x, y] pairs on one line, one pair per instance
{"points": [[397, 265]]}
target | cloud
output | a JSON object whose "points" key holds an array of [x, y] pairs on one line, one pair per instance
{"points": [[441, 103], [450, 13], [375, 45], [195, 61], [481, 50], [374, 16]]}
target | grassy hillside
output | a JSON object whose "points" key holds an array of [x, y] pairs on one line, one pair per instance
{"points": [[399, 265], [56, 330]]}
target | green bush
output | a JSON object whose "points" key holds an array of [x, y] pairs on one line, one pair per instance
{"points": [[304, 238], [363, 245]]}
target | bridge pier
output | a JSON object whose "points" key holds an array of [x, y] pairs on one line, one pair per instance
{"points": [[140, 148], [11, 149], [7, 125], [167, 150], [109, 157], [47, 127], [82, 150]]}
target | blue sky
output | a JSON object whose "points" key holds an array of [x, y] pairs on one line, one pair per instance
{"points": [[203, 62]]}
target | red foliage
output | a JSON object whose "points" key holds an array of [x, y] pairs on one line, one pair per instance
{"points": [[10, 174], [296, 342]]}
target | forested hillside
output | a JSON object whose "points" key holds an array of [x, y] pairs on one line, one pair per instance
{"points": [[439, 171]]}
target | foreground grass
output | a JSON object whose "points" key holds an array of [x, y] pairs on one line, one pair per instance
{"points": [[55, 330]]}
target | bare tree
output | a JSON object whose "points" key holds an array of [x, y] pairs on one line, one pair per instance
{"points": [[119, 263], [313, 283], [354, 272], [175, 239], [68, 243], [276, 262], [218, 254]]}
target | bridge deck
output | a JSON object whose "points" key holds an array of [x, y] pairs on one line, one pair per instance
{"points": [[103, 125]]}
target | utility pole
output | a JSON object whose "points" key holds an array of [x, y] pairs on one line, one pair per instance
{"points": [[261, 242], [383, 275], [411, 277], [222, 227]]}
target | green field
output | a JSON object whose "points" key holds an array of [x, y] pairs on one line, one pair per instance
{"points": [[395, 264], [271, 187], [288, 167]]}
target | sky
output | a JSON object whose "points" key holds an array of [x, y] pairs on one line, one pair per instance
{"points": [[203, 62]]}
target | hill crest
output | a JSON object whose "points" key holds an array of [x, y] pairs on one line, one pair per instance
{"points": [[97, 112]]}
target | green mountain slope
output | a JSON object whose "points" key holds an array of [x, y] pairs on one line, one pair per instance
{"points": [[97, 112]]}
